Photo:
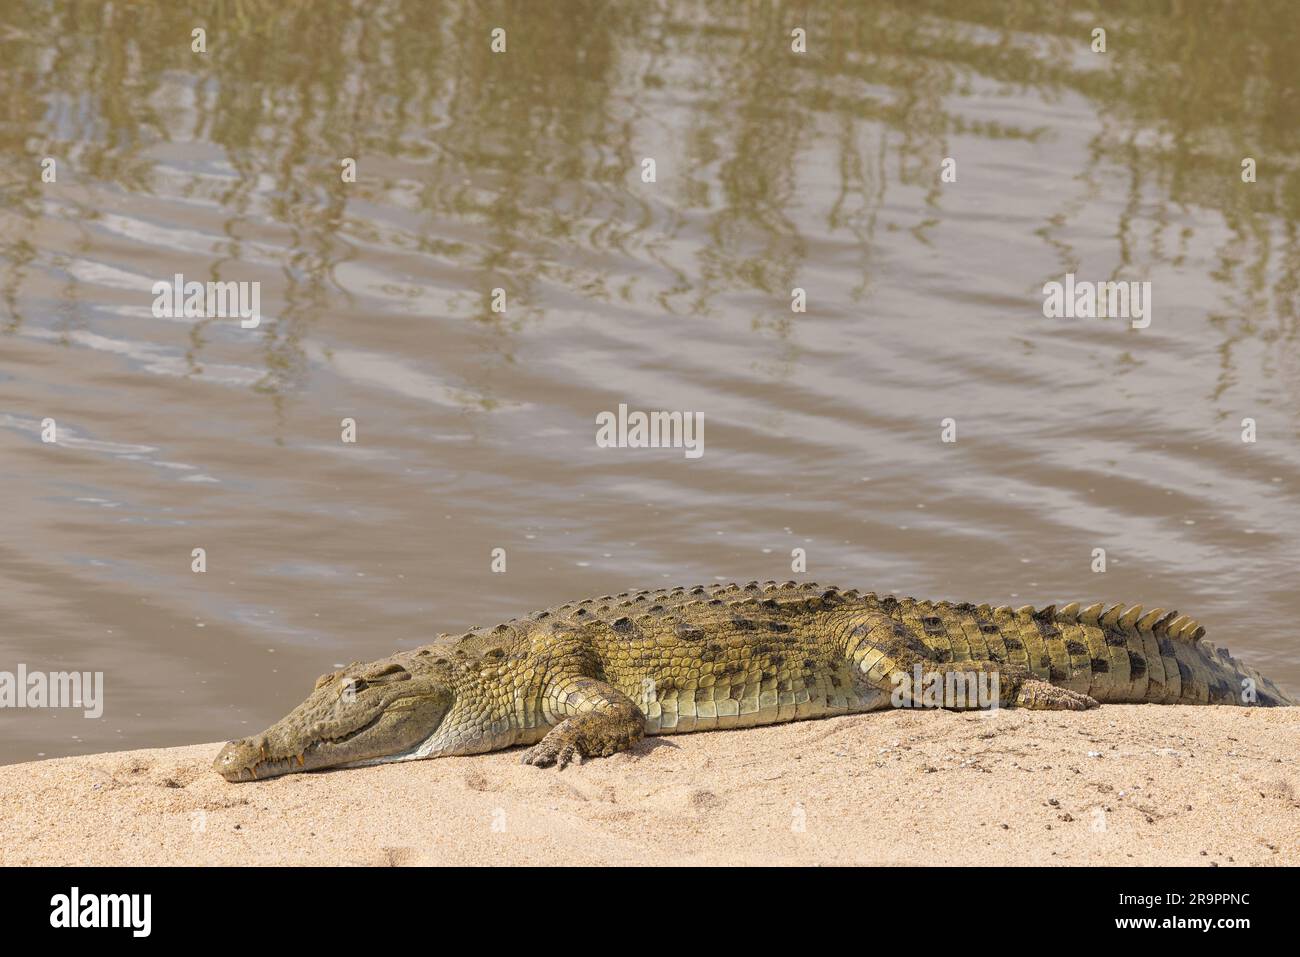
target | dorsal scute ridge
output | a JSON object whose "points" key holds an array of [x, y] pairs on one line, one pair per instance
{"points": [[793, 595], [1157, 621]]}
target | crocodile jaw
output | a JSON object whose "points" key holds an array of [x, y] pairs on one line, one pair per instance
{"points": [[369, 714], [273, 753]]}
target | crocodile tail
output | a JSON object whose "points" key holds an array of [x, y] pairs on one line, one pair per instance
{"points": [[1246, 681], [1167, 660]]}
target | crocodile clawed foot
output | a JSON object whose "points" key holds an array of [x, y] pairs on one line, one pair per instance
{"points": [[549, 752], [561, 758], [595, 734], [1039, 695]]}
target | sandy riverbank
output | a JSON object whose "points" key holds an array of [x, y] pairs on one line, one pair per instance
{"points": [[1119, 785]]}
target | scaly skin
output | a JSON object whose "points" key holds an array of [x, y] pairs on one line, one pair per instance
{"points": [[590, 678]]}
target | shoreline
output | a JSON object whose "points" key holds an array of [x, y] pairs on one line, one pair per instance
{"points": [[1121, 784]]}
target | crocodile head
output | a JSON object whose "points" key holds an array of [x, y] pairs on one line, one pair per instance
{"points": [[364, 714]]}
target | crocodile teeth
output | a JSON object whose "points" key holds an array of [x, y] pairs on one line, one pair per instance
{"points": [[1150, 618], [1070, 612], [1092, 614]]}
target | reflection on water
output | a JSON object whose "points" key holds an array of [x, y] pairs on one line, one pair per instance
{"points": [[521, 172]]}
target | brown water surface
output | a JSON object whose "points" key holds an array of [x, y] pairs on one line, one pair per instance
{"points": [[522, 171]]}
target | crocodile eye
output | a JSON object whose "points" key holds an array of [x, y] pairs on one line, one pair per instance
{"points": [[388, 673], [351, 686]]}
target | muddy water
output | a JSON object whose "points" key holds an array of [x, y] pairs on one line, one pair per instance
{"points": [[522, 171]]}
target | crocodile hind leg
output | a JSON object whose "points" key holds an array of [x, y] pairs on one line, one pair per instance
{"points": [[969, 685], [601, 721], [897, 660]]}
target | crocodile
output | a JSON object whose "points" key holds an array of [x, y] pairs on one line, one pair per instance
{"points": [[591, 678]]}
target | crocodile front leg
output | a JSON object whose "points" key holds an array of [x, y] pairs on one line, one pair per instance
{"points": [[601, 721]]}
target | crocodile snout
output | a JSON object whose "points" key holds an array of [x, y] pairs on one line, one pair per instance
{"points": [[239, 759], [377, 712]]}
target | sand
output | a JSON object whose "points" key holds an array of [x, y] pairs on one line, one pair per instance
{"points": [[1118, 785]]}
